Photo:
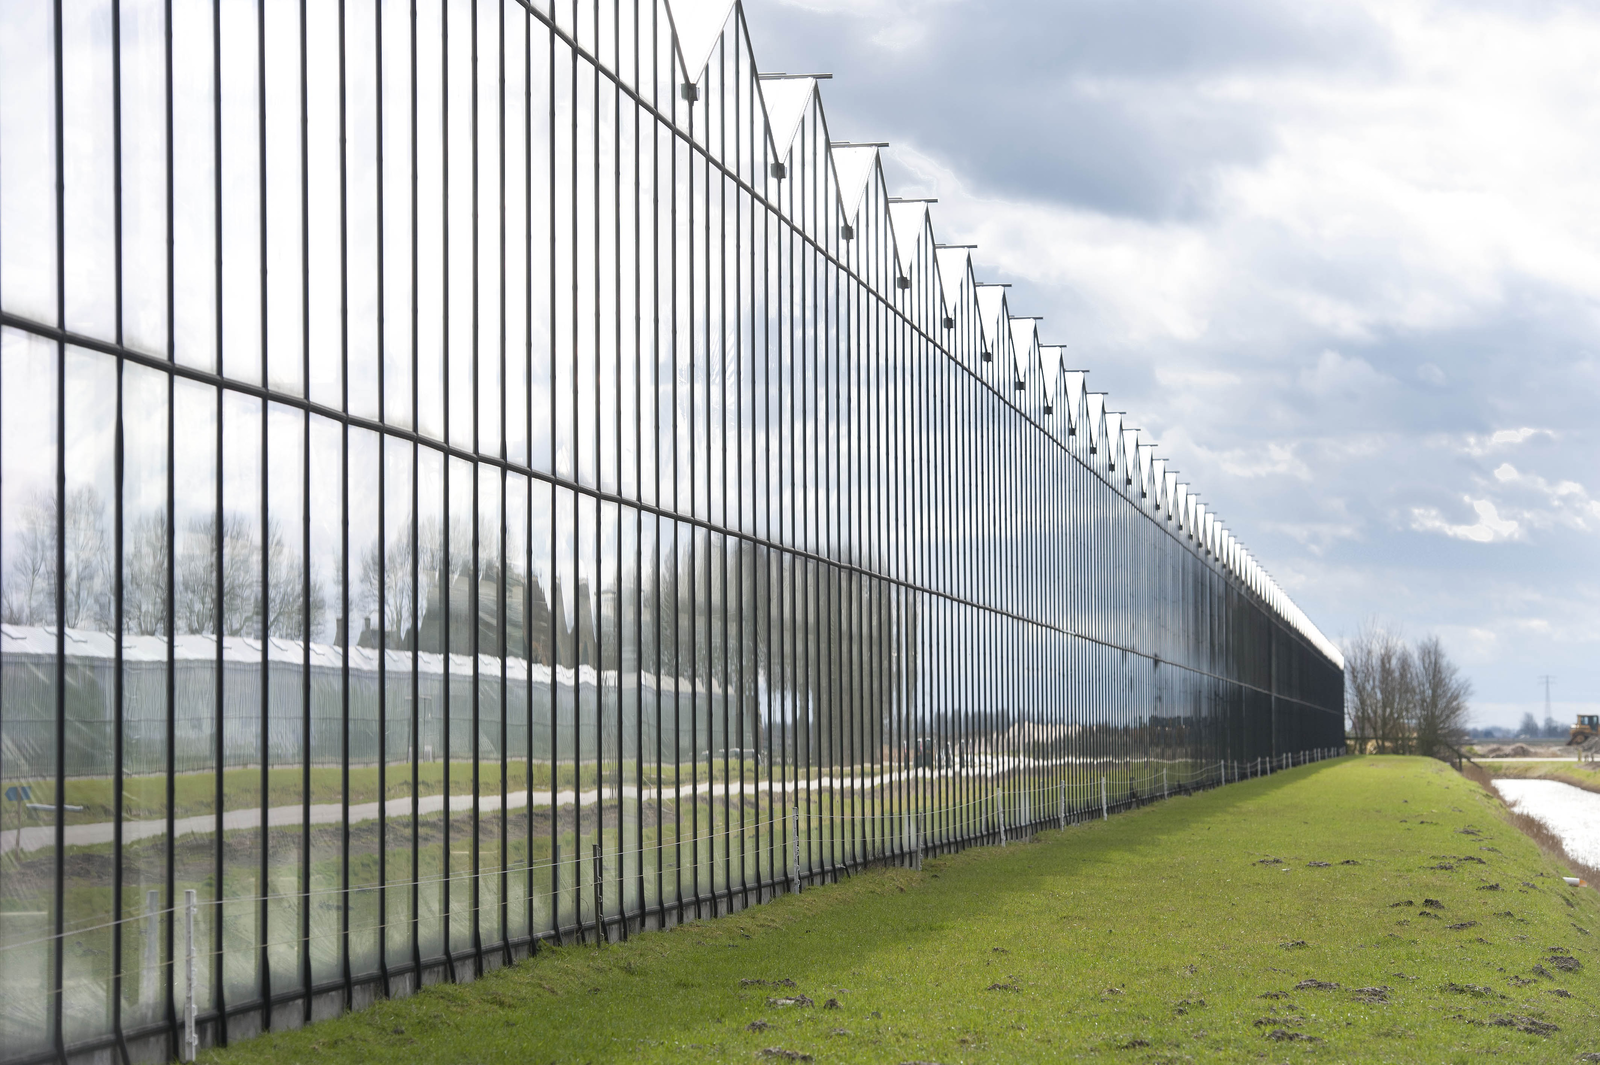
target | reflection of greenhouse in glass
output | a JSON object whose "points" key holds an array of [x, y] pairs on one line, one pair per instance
{"points": [[485, 466]]}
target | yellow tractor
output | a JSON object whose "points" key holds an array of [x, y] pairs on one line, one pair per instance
{"points": [[1587, 728]]}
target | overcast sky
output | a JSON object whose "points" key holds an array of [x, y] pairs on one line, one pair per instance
{"points": [[1341, 259]]}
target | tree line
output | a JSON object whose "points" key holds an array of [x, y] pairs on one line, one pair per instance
{"points": [[1403, 697]]}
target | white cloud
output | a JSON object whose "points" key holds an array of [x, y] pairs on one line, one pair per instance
{"points": [[1565, 502], [1479, 445], [1489, 527], [1336, 374]]}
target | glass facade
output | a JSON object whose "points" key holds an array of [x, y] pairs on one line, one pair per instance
{"points": [[475, 472]]}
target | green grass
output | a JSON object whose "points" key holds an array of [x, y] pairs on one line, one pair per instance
{"points": [[1585, 775], [1164, 935]]}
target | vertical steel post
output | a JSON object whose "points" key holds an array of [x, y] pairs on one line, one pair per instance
{"points": [[191, 1040], [1105, 810], [794, 851], [599, 898], [151, 973]]}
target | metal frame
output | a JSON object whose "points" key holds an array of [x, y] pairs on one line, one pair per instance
{"points": [[865, 540]]}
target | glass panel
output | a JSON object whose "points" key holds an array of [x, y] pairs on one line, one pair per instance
{"points": [[240, 46], [432, 581], [608, 779], [29, 383], [429, 127], [361, 205], [328, 738], [542, 250], [490, 739], [399, 630], [285, 209], [460, 707], [89, 174], [515, 236], [518, 675], [488, 201], [541, 721], [28, 161], [89, 695], [144, 176], [460, 239], [629, 782], [397, 204], [291, 618], [324, 217], [564, 785], [563, 266], [145, 597], [198, 618], [194, 155], [243, 692], [363, 739]]}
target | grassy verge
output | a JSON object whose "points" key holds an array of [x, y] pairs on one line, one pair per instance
{"points": [[1585, 775], [1201, 929]]}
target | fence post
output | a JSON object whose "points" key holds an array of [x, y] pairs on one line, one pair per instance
{"points": [[1164, 793], [916, 838], [1000, 815], [1061, 805], [794, 839], [599, 898], [152, 946], [1105, 811], [191, 1041]]}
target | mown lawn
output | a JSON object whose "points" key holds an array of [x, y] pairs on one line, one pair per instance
{"points": [[1372, 909]]}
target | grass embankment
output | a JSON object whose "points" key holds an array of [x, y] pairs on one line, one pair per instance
{"points": [[1585, 775], [1201, 929]]}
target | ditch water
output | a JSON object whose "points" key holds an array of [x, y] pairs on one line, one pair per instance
{"points": [[1569, 812]]}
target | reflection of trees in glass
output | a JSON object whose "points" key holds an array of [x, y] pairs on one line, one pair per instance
{"points": [[90, 585], [30, 587], [144, 576], [241, 613]]}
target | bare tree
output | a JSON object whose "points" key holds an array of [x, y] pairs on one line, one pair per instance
{"points": [[1378, 688], [1404, 699], [1440, 699]]}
